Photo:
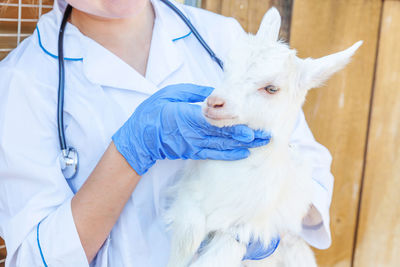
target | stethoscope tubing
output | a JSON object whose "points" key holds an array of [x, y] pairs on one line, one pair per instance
{"points": [[69, 156], [195, 32], [61, 80]]}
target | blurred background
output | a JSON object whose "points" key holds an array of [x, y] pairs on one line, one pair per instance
{"points": [[356, 115]]}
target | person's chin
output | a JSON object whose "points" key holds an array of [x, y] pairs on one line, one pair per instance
{"points": [[124, 10], [110, 9]]}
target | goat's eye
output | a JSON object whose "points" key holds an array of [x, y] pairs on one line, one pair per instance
{"points": [[271, 89]]}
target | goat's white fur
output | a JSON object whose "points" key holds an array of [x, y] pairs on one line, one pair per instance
{"points": [[267, 194]]}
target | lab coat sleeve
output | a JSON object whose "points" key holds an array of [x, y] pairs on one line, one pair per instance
{"points": [[316, 229], [35, 200]]}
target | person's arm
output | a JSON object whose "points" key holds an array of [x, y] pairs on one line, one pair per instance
{"points": [[99, 202], [41, 220], [36, 220], [164, 126]]}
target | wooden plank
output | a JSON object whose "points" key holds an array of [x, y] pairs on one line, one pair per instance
{"points": [[2, 252], [237, 9], [250, 12], [259, 7], [212, 5], [378, 242], [338, 113]]}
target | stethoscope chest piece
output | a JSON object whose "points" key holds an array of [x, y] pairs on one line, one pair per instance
{"points": [[69, 162]]}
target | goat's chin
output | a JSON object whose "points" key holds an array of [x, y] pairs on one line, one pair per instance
{"points": [[222, 122], [234, 121]]}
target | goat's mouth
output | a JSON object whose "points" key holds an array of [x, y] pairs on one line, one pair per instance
{"points": [[217, 115]]}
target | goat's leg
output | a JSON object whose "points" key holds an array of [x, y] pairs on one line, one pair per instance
{"points": [[187, 232], [222, 251]]}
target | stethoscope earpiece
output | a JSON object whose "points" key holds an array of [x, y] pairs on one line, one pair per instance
{"points": [[69, 162]]}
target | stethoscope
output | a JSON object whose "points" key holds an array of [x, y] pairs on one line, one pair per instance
{"points": [[69, 158]]}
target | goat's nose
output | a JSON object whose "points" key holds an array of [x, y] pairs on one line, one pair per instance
{"points": [[215, 102]]}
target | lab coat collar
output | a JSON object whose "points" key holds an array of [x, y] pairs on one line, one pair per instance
{"points": [[165, 56], [178, 32], [47, 35], [104, 68], [173, 25], [60, 5]]}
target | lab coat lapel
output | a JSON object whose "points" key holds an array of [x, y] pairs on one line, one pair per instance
{"points": [[104, 68], [164, 58], [46, 28]]}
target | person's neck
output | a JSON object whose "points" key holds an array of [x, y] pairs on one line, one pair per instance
{"points": [[127, 38]]}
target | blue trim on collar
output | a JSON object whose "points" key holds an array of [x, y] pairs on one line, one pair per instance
{"points": [[40, 249], [186, 35], [50, 54]]}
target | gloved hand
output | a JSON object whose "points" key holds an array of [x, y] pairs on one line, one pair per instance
{"points": [[167, 125], [257, 251]]}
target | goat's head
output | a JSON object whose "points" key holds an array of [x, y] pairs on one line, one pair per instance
{"points": [[265, 82]]}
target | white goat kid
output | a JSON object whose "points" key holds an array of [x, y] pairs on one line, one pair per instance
{"points": [[268, 194]]}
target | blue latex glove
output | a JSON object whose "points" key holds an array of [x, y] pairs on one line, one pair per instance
{"points": [[257, 251], [167, 125]]}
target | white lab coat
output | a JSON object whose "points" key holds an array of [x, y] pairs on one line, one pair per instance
{"points": [[101, 93]]}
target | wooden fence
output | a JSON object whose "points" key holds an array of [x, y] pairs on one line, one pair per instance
{"points": [[2, 252], [356, 116]]}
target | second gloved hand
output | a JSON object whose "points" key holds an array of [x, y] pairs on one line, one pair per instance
{"points": [[167, 125], [256, 250]]}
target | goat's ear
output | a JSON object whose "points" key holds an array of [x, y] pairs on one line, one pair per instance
{"points": [[314, 72], [270, 25]]}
